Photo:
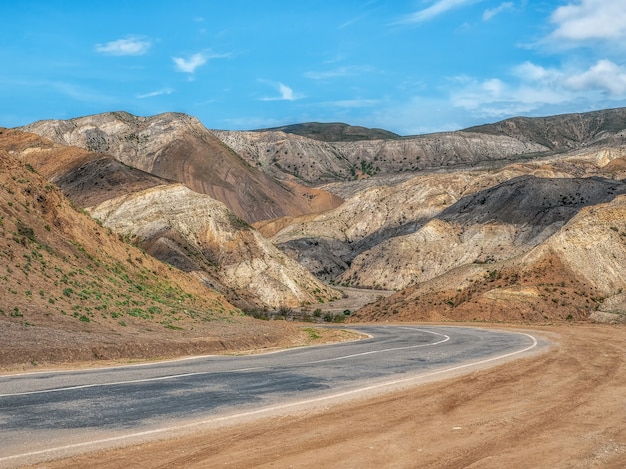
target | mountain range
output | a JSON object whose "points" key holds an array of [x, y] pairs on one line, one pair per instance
{"points": [[521, 220]]}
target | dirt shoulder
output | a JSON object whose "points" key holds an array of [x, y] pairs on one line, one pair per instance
{"points": [[49, 347], [563, 408]]}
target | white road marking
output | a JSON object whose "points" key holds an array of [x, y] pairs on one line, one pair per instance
{"points": [[270, 409], [130, 381], [201, 373], [407, 347]]}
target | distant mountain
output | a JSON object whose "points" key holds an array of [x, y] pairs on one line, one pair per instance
{"points": [[562, 132], [334, 132], [313, 160]]}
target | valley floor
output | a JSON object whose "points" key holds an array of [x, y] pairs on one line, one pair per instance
{"points": [[563, 408]]}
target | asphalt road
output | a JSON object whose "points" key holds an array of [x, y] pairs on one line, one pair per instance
{"points": [[48, 413]]}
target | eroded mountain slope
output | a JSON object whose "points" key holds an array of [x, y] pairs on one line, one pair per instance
{"points": [[316, 160], [577, 273], [495, 224], [178, 147], [195, 232], [74, 290]]}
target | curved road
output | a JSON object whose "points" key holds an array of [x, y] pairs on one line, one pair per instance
{"points": [[50, 413]]}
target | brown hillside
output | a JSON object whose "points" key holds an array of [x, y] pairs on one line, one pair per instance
{"points": [[87, 178], [73, 290]]}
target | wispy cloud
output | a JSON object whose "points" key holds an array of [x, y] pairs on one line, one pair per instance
{"points": [[152, 94], [438, 8], [354, 103], [286, 93], [80, 93], [337, 73], [129, 46], [491, 12], [191, 63]]}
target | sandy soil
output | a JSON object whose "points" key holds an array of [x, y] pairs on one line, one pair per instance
{"points": [[565, 408]]}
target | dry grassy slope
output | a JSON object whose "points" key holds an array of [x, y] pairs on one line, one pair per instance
{"points": [[578, 273], [227, 246], [72, 289], [178, 147]]}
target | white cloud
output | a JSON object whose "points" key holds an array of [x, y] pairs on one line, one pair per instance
{"points": [[189, 65], [586, 20], [155, 93], [605, 76], [192, 62], [438, 8], [286, 93], [491, 12], [128, 46], [534, 87]]}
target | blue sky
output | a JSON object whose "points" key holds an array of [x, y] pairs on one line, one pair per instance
{"points": [[411, 67]]}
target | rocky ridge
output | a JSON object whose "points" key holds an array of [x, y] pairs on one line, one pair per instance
{"points": [[315, 162], [178, 147]]}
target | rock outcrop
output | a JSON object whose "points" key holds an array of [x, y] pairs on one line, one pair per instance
{"points": [[199, 234]]}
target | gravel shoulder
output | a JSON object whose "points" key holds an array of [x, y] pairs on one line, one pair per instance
{"points": [[562, 408]]}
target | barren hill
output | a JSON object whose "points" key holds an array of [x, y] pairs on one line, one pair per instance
{"points": [[189, 230], [491, 225], [197, 233]]}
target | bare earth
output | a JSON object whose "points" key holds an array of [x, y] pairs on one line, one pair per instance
{"points": [[565, 408]]}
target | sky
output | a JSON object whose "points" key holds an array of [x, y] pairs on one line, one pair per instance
{"points": [[408, 66]]}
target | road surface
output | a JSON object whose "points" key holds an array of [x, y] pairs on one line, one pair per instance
{"points": [[48, 414]]}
